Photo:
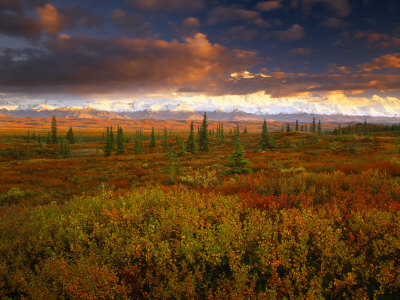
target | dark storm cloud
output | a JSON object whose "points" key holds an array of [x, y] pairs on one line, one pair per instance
{"points": [[268, 5], [299, 51], [187, 27], [131, 23], [155, 45], [30, 18], [282, 84], [20, 5], [341, 8], [333, 22], [88, 65], [293, 33], [226, 14], [167, 5], [93, 64], [242, 33], [15, 25]]}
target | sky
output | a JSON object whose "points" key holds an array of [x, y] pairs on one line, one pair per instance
{"points": [[315, 56]]}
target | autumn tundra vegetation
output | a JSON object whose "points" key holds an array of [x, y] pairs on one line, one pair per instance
{"points": [[202, 210]]}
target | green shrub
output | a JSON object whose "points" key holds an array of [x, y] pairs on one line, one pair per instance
{"points": [[12, 196]]}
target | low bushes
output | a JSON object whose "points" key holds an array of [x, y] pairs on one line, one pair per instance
{"points": [[172, 243]]}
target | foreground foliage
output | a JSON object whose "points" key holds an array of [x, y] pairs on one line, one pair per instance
{"points": [[171, 243]]}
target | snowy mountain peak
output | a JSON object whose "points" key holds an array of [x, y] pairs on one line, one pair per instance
{"points": [[184, 107]]}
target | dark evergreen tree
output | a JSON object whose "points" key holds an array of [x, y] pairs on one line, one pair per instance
{"points": [[70, 136], [111, 137], [237, 131], [245, 130], [267, 141], [203, 135], [181, 145], [365, 127], [138, 144], [220, 133], [319, 129], [297, 125], [120, 141], [287, 127], [237, 163], [107, 149], [53, 131], [313, 127], [191, 143]]}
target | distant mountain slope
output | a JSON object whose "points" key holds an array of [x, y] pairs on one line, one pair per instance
{"points": [[180, 114]]}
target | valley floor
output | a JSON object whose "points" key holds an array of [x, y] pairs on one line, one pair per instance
{"points": [[318, 217]]}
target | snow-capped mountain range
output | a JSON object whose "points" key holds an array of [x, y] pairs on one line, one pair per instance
{"points": [[334, 108]]}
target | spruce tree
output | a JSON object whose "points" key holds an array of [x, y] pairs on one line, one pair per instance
{"points": [[245, 130], [297, 125], [152, 139], [181, 145], [220, 133], [70, 136], [319, 127], [267, 141], [111, 136], [365, 127], [287, 127], [120, 141], [191, 144], [237, 163], [53, 134], [138, 144], [313, 125], [263, 143], [107, 149], [203, 135]]}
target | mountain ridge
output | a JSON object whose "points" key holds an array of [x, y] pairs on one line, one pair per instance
{"points": [[236, 115]]}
